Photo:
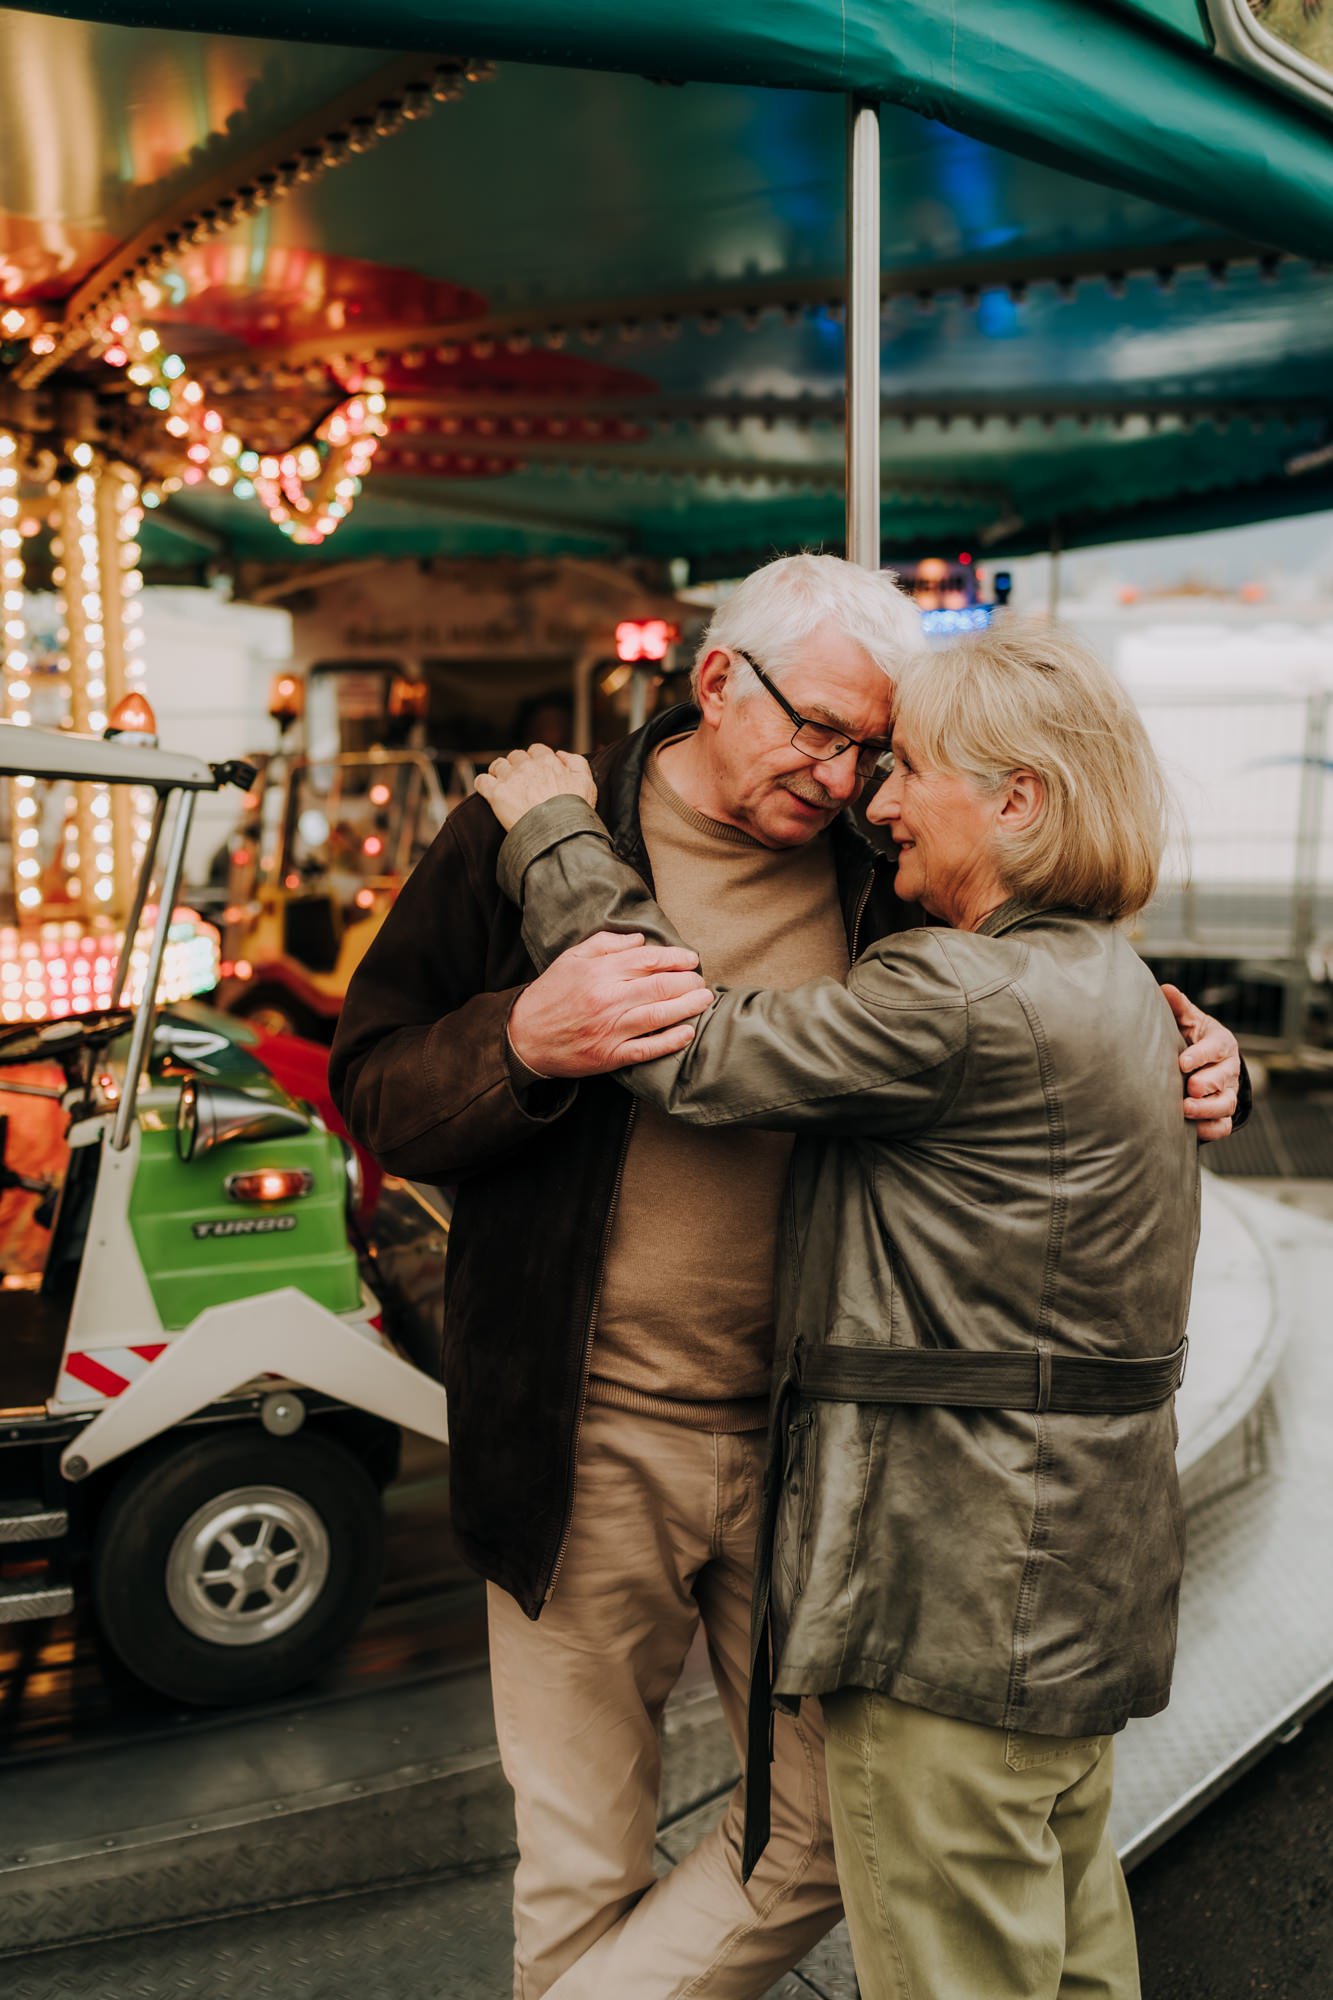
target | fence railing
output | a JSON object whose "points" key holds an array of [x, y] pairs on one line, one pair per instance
{"points": [[1250, 871]]}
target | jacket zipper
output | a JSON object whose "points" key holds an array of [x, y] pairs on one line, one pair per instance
{"points": [[588, 1338], [860, 910]]}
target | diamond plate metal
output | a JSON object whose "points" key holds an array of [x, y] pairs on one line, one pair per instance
{"points": [[20, 1601], [1256, 1607], [439, 1942], [28, 1521]]}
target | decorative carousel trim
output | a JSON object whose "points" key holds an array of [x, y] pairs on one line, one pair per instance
{"points": [[350, 124], [660, 316], [632, 416], [542, 456]]}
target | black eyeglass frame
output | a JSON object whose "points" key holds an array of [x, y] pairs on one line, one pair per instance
{"points": [[871, 754]]}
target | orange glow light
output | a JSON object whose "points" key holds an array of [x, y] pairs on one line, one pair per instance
{"points": [[132, 716]]}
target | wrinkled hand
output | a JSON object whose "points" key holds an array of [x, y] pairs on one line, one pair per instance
{"points": [[1211, 1064], [607, 1002], [525, 778]]}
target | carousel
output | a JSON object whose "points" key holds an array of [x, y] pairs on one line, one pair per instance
{"points": [[638, 298]]}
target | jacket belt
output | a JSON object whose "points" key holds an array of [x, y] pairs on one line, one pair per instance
{"points": [[961, 1378], [951, 1378]]}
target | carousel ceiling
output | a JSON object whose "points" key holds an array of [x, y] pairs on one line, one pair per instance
{"points": [[338, 302]]}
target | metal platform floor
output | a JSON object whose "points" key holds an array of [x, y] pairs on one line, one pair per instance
{"points": [[363, 1846]]}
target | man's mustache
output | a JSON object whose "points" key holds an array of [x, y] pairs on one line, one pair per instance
{"points": [[812, 793]]}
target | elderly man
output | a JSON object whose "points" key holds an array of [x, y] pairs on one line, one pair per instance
{"points": [[609, 1297]]}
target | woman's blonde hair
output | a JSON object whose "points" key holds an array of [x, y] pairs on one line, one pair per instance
{"points": [[1028, 696]]}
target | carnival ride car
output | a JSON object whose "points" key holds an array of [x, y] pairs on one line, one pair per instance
{"points": [[314, 880], [197, 1391]]}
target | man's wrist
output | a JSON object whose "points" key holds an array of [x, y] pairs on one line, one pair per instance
{"points": [[521, 1074]]}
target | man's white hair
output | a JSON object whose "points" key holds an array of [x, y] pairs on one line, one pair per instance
{"points": [[774, 611]]}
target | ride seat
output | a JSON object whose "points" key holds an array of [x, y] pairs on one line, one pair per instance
{"points": [[312, 931]]}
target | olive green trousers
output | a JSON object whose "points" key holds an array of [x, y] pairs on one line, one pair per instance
{"points": [[975, 1863]]}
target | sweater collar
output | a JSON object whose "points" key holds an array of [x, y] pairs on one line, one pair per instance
{"points": [[620, 772]]}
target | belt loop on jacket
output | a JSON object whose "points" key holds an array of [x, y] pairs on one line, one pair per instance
{"points": [[1043, 1378]]}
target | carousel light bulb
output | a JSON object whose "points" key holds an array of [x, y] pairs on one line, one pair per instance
{"points": [[148, 340], [82, 454]]}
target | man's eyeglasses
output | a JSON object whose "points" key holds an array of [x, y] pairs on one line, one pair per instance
{"points": [[820, 741]]}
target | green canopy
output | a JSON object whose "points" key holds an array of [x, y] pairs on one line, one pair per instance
{"points": [[603, 290]]}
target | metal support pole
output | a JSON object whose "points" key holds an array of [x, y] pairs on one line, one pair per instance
{"points": [[1053, 581], [863, 335], [1309, 839], [638, 696], [172, 871], [140, 898]]}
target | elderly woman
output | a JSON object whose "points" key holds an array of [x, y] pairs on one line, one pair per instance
{"points": [[976, 1535]]}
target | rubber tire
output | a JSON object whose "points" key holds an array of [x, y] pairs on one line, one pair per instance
{"points": [[147, 1508]]}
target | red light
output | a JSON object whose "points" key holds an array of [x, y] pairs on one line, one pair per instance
{"points": [[240, 857], [292, 881], [365, 899], [270, 1184], [964, 556], [644, 638], [116, 355], [244, 969], [372, 844]]}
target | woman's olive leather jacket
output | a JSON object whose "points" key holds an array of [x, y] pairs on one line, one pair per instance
{"points": [[990, 1156]]}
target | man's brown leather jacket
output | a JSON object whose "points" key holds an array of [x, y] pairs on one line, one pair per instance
{"points": [[990, 1159], [418, 1070]]}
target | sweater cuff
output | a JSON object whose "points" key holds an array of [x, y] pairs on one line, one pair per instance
{"points": [[541, 828]]}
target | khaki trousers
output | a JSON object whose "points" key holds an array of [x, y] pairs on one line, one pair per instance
{"points": [[662, 1539], [975, 1863]]}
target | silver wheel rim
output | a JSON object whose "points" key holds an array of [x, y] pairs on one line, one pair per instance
{"points": [[247, 1565]]}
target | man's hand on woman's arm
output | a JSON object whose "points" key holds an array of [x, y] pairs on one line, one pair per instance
{"points": [[1211, 1066], [609, 1001]]}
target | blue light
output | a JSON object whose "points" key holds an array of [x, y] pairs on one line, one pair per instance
{"points": [[997, 315], [160, 398], [973, 618]]}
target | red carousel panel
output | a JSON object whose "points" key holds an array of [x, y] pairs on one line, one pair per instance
{"points": [[44, 260], [287, 294]]}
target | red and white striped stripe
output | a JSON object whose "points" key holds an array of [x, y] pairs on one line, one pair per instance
{"points": [[99, 1374]]}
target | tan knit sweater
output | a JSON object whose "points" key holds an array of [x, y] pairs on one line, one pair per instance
{"points": [[684, 1327]]}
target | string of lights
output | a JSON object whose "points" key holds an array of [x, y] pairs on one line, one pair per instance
{"points": [[23, 809], [307, 491]]}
